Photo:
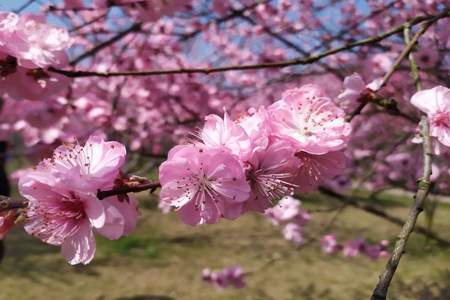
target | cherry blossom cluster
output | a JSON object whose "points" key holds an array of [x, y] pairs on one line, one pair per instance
{"points": [[63, 207], [352, 248], [233, 276], [150, 114], [287, 213], [28, 46], [246, 164]]}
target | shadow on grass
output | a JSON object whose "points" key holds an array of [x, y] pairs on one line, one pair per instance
{"points": [[28, 257], [421, 290]]}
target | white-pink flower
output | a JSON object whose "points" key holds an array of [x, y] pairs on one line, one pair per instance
{"points": [[63, 206], [435, 103], [310, 121]]}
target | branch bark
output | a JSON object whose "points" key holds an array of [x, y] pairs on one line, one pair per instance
{"points": [[150, 185]]}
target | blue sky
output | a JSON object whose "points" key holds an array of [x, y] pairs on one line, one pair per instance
{"points": [[15, 4]]}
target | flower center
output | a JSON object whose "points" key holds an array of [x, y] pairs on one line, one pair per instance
{"points": [[442, 119]]}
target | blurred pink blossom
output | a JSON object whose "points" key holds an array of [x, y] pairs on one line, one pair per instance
{"points": [[229, 277]]}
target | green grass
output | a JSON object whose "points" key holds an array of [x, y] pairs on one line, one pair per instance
{"points": [[164, 258]]}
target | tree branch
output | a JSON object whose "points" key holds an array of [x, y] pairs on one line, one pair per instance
{"points": [[132, 186], [279, 64], [94, 50], [406, 51], [150, 185], [412, 61], [380, 291]]}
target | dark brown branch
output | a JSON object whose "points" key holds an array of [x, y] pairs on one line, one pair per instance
{"points": [[279, 64], [151, 185], [7, 203]]}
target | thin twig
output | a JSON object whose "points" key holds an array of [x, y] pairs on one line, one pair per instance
{"points": [[380, 291], [24, 6], [101, 46], [406, 51], [412, 61], [151, 185]]}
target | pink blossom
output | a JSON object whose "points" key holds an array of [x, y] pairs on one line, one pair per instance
{"points": [[302, 218], [96, 164], [203, 184], [63, 206], [311, 121], [293, 232], [34, 43], [27, 46], [230, 276], [147, 10], [329, 244], [427, 56], [72, 4], [285, 210], [315, 170], [269, 173], [226, 133], [378, 250], [255, 124], [354, 247], [435, 103], [354, 89], [354, 85], [33, 84]]}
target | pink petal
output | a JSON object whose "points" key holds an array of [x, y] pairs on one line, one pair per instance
{"points": [[80, 248]]}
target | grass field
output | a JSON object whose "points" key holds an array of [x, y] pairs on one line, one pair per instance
{"points": [[163, 260]]}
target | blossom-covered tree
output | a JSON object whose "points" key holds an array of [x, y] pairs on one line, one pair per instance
{"points": [[241, 105]]}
